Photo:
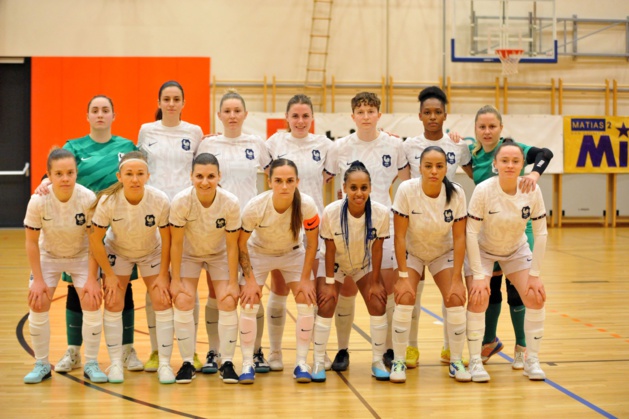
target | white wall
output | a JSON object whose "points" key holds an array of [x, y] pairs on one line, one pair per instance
{"points": [[248, 39]]}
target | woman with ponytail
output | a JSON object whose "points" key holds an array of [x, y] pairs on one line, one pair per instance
{"points": [[271, 239], [170, 145], [132, 218], [429, 221], [354, 230]]}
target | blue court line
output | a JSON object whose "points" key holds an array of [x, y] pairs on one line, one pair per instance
{"points": [[549, 382]]}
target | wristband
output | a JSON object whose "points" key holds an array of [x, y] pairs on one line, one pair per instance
{"points": [[329, 280], [402, 274]]}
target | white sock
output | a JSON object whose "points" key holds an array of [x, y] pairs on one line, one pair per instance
{"points": [[184, 330], [321, 335], [195, 314], [276, 320], [248, 326], [475, 332], [401, 329], [228, 332], [389, 313], [150, 321], [344, 319], [378, 326], [92, 331], [303, 331], [417, 310], [260, 326], [456, 332], [165, 333], [112, 325], [534, 330], [211, 324], [39, 325], [444, 314]]}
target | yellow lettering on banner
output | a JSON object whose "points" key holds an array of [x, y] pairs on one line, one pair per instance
{"points": [[594, 144]]}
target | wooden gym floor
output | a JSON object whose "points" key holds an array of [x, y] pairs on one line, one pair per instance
{"points": [[585, 355]]}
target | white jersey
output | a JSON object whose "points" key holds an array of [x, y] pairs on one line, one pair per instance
{"points": [[271, 230], [205, 228], [133, 232], [456, 154], [430, 220], [63, 225], [170, 153], [311, 155], [382, 157], [499, 219], [239, 160], [352, 256]]}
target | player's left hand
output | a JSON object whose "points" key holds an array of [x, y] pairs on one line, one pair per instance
{"points": [[528, 182], [307, 288], [535, 287]]}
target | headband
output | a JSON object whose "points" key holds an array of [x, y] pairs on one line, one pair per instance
{"points": [[130, 160]]}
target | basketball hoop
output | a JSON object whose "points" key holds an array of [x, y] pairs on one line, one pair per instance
{"points": [[509, 59]]}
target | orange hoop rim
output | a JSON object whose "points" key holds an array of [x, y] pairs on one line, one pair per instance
{"points": [[505, 53]]}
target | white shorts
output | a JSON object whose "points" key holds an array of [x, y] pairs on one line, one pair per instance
{"points": [[388, 253], [515, 262], [216, 265], [148, 265], [435, 266], [289, 264], [339, 275], [51, 271]]}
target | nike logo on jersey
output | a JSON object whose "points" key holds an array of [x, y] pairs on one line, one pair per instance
{"points": [[418, 157], [157, 264], [279, 156], [415, 212], [117, 219], [151, 144], [86, 158], [47, 219], [349, 163], [529, 259], [494, 212], [310, 224], [450, 260]]}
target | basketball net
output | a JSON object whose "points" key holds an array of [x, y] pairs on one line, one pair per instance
{"points": [[509, 59]]}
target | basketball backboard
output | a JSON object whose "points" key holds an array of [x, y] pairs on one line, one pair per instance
{"points": [[479, 27]]}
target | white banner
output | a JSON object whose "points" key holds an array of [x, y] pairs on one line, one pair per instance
{"points": [[534, 130]]}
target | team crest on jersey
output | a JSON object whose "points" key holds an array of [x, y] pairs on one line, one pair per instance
{"points": [[120, 156], [112, 259], [316, 155], [371, 235], [336, 267], [149, 220], [249, 154], [80, 219], [386, 160], [447, 216], [526, 212], [220, 223], [185, 144], [450, 157]]}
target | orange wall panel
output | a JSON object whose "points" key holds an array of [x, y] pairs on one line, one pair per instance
{"points": [[62, 87]]}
